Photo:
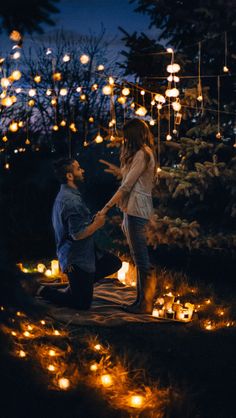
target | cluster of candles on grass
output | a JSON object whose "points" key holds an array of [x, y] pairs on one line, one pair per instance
{"points": [[55, 359]]}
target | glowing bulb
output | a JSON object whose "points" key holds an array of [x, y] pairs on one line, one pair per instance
{"points": [[54, 102], [107, 90], [66, 58], [43, 322], [132, 105], [52, 353], [37, 78], [16, 75], [172, 92], [200, 98], [18, 90], [94, 367], [98, 347], [7, 102], [73, 127], [142, 92], [27, 334], [5, 82], [30, 328], [218, 135], [16, 55], [170, 78], [27, 141], [153, 102], [22, 354], [31, 103], [57, 76], [136, 401], [225, 69], [122, 100], [159, 106], [79, 89], [159, 98], [64, 383], [55, 128], [152, 122], [4, 138], [98, 139], [48, 92], [32, 92], [168, 137], [100, 67], [48, 273], [56, 332], [63, 92], [13, 127], [91, 119], [173, 68], [7, 166], [84, 59], [176, 79], [51, 368], [83, 97], [63, 123], [15, 36], [49, 51], [170, 50], [141, 111], [41, 268], [106, 380], [176, 106], [13, 333], [111, 81], [125, 91]]}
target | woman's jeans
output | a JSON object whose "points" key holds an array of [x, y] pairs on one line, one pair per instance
{"points": [[134, 229]]}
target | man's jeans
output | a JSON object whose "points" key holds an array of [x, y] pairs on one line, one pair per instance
{"points": [[79, 293], [134, 229]]}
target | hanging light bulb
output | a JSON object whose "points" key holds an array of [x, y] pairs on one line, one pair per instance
{"points": [[176, 79], [7, 166], [57, 76], [168, 137], [16, 55], [159, 106], [21, 124], [91, 119], [152, 122], [106, 380], [15, 36], [3, 95], [107, 90], [94, 87], [98, 138], [173, 68], [141, 111], [18, 90], [122, 100], [176, 106], [100, 67], [159, 98], [84, 59], [83, 97], [66, 58], [132, 105], [16, 75], [218, 135], [170, 78], [73, 127], [7, 102], [136, 401], [48, 92], [49, 51], [13, 127], [27, 141], [125, 91], [142, 92], [170, 50], [54, 101], [5, 82], [37, 78], [63, 123], [55, 128], [153, 102], [200, 98], [63, 92], [31, 103], [111, 81], [32, 92], [4, 138], [79, 89]]}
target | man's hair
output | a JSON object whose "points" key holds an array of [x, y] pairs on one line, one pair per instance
{"points": [[62, 167]]}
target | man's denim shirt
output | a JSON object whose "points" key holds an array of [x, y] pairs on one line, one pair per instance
{"points": [[70, 216]]}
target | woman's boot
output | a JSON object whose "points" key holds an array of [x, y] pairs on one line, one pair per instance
{"points": [[145, 304]]}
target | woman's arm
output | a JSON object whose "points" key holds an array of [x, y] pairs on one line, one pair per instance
{"points": [[138, 165], [112, 169]]}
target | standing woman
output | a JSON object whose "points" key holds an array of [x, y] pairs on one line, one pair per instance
{"points": [[134, 198]]}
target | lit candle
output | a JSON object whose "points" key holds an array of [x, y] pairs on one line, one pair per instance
{"points": [[55, 267]]}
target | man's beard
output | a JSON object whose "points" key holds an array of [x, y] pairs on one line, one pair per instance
{"points": [[78, 181]]}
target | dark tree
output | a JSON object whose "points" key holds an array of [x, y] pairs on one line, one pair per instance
{"points": [[27, 15]]}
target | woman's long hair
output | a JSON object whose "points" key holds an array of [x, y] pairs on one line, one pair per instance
{"points": [[137, 136]]}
